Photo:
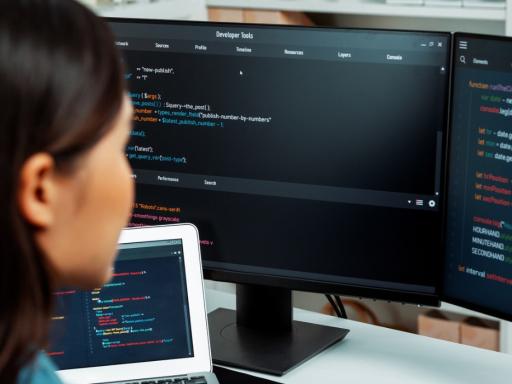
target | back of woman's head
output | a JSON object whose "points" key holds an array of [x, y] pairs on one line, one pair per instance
{"points": [[61, 87]]}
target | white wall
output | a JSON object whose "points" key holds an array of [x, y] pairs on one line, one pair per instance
{"points": [[419, 23], [161, 9]]}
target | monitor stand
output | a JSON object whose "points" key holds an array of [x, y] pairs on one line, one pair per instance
{"points": [[261, 335]]}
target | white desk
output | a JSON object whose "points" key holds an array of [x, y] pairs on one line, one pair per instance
{"points": [[371, 354]]}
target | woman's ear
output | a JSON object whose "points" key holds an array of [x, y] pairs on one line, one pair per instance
{"points": [[37, 192]]}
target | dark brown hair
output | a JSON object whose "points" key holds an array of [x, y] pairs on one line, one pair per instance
{"points": [[61, 86]]}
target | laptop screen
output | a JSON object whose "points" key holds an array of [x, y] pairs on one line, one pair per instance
{"points": [[141, 315]]}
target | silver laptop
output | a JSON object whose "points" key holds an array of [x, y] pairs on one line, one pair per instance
{"points": [[147, 325]]}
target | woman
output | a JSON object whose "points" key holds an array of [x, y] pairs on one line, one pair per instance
{"points": [[66, 188]]}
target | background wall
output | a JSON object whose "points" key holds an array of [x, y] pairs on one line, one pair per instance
{"points": [[419, 23]]}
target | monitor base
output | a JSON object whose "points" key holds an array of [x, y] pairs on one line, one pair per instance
{"points": [[273, 352]]}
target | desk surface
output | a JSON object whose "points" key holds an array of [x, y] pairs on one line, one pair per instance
{"points": [[371, 354]]}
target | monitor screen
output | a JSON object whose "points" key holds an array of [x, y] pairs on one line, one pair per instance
{"points": [[478, 270], [308, 158], [141, 315]]}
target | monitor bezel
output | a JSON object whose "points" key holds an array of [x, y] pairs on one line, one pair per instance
{"points": [[401, 296], [444, 297]]}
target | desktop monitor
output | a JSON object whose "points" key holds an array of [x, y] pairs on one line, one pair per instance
{"points": [[309, 159], [478, 266]]}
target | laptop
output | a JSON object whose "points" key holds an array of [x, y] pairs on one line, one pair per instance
{"points": [[147, 325]]}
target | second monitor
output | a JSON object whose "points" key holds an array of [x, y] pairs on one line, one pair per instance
{"points": [[309, 158]]}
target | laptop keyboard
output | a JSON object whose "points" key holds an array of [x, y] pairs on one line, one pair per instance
{"points": [[174, 380]]}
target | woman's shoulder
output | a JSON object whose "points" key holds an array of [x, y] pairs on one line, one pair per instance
{"points": [[40, 371]]}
